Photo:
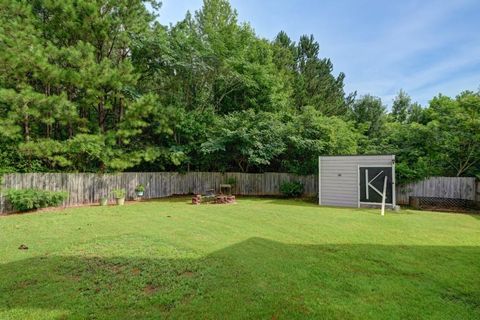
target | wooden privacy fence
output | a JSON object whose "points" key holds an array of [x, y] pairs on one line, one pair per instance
{"points": [[477, 199], [438, 187], [87, 188]]}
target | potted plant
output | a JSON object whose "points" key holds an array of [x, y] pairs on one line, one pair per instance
{"points": [[103, 201], [140, 190], [119, 195]]}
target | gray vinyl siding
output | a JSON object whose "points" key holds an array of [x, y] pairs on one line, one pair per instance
{"points": [[342, 190]]}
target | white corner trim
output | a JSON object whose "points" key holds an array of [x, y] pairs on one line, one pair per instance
{"points": [[319, 181]]}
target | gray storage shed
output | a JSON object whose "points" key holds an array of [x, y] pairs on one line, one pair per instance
{"points": [[355, 181]]}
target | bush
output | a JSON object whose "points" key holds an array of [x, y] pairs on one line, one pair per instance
{"points": [[30, 199], [292, 189]]}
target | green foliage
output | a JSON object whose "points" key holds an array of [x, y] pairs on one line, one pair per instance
{"points": [[140, 188], [231, 181], [413, 147], [401, 106], [443, 139], [102, 86], [119, 193], [67, 88], [315, 85], [456, 124], [30, 199], [291, 189], [249, 138], [310, 134], [368, 113], [403, 110]]}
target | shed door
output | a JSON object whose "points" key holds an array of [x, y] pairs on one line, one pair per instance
{"points": [[371, 184]]}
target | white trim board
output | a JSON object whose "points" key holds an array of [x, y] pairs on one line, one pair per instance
{"points": [[358, 186], [319, 181], [374, 165]]}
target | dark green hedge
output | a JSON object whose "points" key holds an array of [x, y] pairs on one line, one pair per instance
{"points": [[292, 189], [30, 199]]}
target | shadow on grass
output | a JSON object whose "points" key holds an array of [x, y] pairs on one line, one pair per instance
{"points": [[254, 279], [475, 216], [264, 199], [172, 199]]}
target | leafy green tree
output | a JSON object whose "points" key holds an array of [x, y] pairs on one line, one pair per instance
{"points": [[246, 139], [445, 141], [416, 114], [401, 106], [403, 110], [368, 113], [412, 145], [311, 134], [241, 69], [456, 123]]}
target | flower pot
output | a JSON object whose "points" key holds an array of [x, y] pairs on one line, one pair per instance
{"points": [[139, 193], [104, 201], [120, 201]]}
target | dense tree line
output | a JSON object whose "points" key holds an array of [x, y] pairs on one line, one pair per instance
{"points": [[103, 86]]}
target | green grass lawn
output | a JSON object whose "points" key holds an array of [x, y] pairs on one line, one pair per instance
{"points": [[258, 259]]}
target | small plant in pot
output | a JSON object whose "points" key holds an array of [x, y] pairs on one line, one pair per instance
{"points": [[119, 195], [140, 190], [103, 201]]}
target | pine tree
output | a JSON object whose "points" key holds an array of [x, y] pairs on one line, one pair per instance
{"points": [[315, 84], [68, 72]]}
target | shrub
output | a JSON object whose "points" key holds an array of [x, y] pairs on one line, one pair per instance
{"points": [[30, 199], [119, 193], [292, 189]]}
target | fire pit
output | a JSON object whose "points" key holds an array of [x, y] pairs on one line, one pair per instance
{"points": [[222, 198]]}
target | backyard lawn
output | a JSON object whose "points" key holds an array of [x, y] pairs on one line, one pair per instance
{"points": [[258, 259]]}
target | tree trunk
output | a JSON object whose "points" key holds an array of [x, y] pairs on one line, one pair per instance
{"points": [[101, 116], [48, 127], [26, 128]]}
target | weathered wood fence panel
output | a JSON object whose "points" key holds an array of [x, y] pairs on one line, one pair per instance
{"points": [[478, 192], [88, 188], [438, 187]]}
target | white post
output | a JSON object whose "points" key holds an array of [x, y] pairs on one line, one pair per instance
{"points": [[384, 195]]}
